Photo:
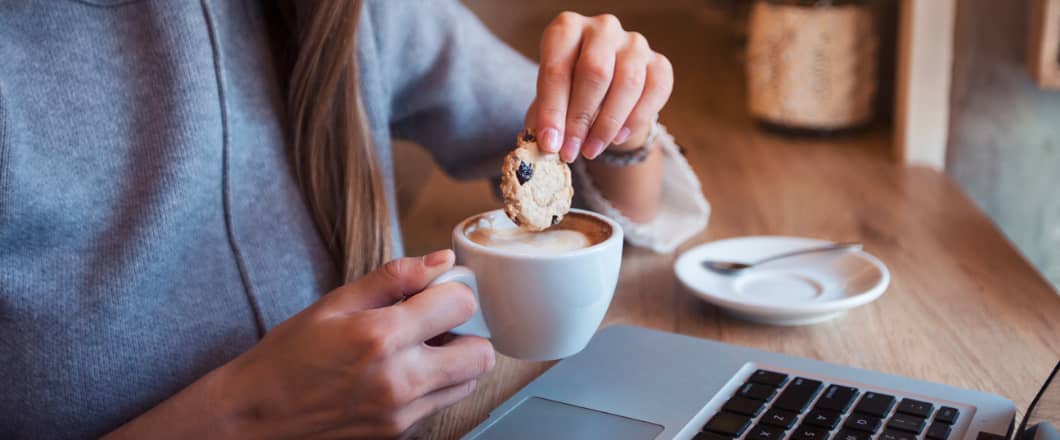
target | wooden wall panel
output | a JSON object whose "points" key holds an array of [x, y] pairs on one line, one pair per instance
{"points": [[925, 51]]}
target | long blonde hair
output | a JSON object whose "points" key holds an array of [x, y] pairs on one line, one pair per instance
{"points": [[329, 138]]}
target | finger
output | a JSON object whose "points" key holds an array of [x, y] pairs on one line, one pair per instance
{"points": [[463, 359], [389, 284], [559, 51], [441, 339], [592, 78], [626, 88], [658, 84], [439, 377], [418, 409], [437, 310]]}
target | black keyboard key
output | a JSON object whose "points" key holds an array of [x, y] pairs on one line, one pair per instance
{"points": [[837, 398], [808, 432], [765, 432], [757, 391], [823, 418], [983, 435], [906, 422], [850, 434], [915, 407], [875, 404], [743, 405], [890, 434], [797, 396], [862, 422], [779, 417], [947, 415], [728, 423], [938, 431], [770, 378], [710, 436]]}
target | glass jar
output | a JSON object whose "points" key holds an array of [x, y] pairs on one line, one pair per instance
{"points": [[811, 64]]}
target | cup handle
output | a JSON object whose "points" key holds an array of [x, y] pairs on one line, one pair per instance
{"points": [[477, 324]]}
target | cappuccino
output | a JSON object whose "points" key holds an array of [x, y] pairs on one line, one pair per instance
{"points": [[541, 295], [576, 231]]}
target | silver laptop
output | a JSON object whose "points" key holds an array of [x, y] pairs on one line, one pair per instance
{"points": [[632, 383]]}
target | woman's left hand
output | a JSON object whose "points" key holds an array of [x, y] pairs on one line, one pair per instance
{"points": [[598, 85]]}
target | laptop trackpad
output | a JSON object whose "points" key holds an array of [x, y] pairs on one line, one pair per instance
{"points": [[538, 418]]}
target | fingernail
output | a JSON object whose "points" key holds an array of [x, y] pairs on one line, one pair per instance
{"points": [[571, 149], [623, 135], [550, 141], [438, 258], [593, 148]]}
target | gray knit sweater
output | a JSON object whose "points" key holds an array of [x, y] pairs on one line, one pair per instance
{"points": [[150, 226]]}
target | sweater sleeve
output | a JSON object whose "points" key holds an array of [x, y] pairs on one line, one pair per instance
{"points": [[455, 88]]}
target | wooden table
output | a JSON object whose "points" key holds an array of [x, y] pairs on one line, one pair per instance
{"points": [[963, 308]]}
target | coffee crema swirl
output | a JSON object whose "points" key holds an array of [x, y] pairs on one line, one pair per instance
{"points": [[575, 231]]}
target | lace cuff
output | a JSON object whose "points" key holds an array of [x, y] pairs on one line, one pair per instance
{"points": [[683, 211]]}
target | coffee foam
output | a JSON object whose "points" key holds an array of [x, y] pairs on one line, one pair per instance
{"points": [[498, 232]]}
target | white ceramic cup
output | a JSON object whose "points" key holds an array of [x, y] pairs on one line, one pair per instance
{"points": [[536, 307]]}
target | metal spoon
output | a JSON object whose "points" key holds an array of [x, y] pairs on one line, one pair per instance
{"points": [[733, 267]]}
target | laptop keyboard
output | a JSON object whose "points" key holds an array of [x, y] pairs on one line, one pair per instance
{"points": [[774, 406]]}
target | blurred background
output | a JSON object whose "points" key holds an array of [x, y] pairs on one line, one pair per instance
{"points": [[749, 73]]}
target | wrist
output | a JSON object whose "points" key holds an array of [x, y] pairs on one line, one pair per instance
{"points": [[634, 191], [229, 404], [211, 407]]}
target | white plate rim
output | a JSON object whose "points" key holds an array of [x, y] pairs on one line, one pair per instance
{"points": [[832, 306]]}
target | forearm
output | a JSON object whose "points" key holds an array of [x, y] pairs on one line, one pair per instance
{"points": [[200, 411], [634, 190]]}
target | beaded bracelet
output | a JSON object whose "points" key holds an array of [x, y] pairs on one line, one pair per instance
{"points": [[634, 156]]}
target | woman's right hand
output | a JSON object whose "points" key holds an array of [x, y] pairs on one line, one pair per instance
{"points": [[355, 365]]}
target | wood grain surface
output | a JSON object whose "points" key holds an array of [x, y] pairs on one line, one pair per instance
{"points": [[963, 308]]}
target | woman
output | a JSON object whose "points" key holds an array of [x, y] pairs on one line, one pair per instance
{"points": [[182, 182]]}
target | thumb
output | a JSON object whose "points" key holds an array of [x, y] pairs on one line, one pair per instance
{"points": [[390, 283]]}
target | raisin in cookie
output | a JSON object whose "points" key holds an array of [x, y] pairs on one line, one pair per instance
{"points": [[536, 185]]}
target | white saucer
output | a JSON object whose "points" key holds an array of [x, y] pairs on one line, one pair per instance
{"points": [[799, 290]]}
